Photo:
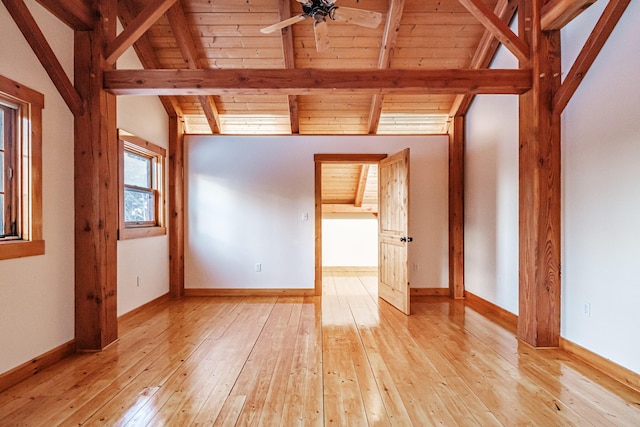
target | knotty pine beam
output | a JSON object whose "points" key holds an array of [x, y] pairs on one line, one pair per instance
{"points": [[145, 52], [136, 28], [539, 186], [484, 54], [189, 51], [95, 189], [311, 81], [74, 13], [592, 47], [558, 13], [284, 9], [362, 185], [456, 207], [36, 39], [389, 39], [176, 207], [499, 29]]}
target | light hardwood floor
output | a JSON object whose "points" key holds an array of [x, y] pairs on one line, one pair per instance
{"points": [[344, 360]]}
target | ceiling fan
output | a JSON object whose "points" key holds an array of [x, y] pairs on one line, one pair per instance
{"points": [[320, 10]]}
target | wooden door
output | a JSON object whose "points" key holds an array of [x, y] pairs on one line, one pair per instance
{"points": [[393, 217]]}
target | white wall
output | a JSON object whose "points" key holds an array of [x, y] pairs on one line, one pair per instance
{"points": [[246, 197], [601, 164], [601, 171], [146, 258], [37, 293], [491, 196], [349, 240]]}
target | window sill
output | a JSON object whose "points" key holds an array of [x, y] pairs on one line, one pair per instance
{"points": [[141, 232], [20, 248]]}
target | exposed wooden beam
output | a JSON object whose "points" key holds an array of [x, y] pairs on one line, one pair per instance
{"points": [[210, 112], [284, 8], [75, 13], [484, 54], [389, 39], [592, 47], [36, 39], [136, 28], [176, 207], [96, 190], [539, 224], [558, 13], [456, 208], [146, 54], [362, 185], [189, 50], [499, 29], [297, 82]]}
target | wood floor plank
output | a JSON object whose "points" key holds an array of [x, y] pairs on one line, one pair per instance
{"points": [[234, 345], [345, 359]]}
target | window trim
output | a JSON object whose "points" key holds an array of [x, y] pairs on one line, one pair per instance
{"points": [[129, 142], [29, 133]]}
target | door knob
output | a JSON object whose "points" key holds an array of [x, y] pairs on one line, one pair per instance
{"points": [[406, 239]]}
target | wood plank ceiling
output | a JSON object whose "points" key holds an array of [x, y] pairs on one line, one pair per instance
{"points": [[414, 35]]}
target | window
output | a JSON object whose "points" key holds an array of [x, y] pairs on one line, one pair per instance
{"points": [[141, 187], [20, 170]]}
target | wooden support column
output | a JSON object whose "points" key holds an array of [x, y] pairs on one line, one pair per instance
{"points": [[95, 189], [176, 207], [456, 208], [539, 185]]}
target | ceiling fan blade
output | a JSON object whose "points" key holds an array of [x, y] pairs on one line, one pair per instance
{"points": [[364, 18], [285, 23], [322, 34]]}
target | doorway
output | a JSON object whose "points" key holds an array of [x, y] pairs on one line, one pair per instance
{"points": [[393, 206], [346, 193], [349, 226]]}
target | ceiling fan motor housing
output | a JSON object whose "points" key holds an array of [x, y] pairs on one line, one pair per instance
{"points": [[319, 8]]}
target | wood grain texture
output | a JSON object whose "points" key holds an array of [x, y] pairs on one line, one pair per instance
{"points": [[41, 48], [75, 13], [498, 28], [539, 187], [145, 52], [393, 230], [485, 52], [140, 24], [592, 47], [347, 358], [558, 13], [387, 48], [289, 82], [176, 197], [456, 207], [35, 365], [95, 190]]}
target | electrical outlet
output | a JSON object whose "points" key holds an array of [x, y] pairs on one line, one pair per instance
{"points": [[138, 281], [415, 266], [258, 268], [586, 309]]}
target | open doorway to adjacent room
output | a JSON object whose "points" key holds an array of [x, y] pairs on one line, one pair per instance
{"points": [[349, 194]]}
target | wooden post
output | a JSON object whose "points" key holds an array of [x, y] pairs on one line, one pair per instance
{"points": [[539, 185], [456, 208], [176, 207], [95, 189]]}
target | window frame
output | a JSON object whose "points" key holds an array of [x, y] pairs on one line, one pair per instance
{"points": [[157, 155], [28, 240]]}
